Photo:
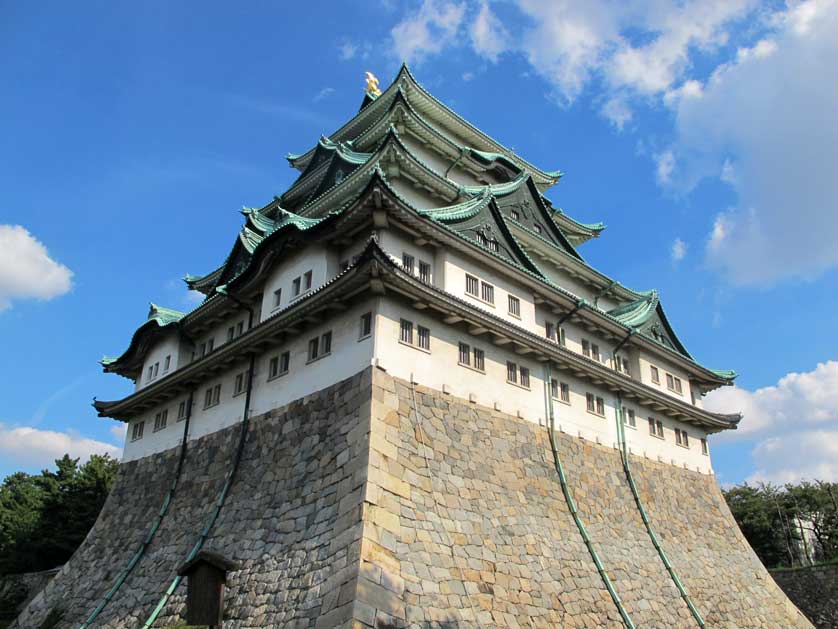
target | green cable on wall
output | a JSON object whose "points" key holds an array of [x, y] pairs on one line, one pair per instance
{"points": [[621, 437], [571, 504], [155, 525], [222, 497]]}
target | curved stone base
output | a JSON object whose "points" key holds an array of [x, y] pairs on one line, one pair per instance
{"points": [[346, 512]]}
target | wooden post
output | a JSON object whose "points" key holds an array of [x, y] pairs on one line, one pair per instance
{"points": [[206, 576]]}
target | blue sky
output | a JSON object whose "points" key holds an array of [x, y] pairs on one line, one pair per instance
{"points": [[701, 133]]}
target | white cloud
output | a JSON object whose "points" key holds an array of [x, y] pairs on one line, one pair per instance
{"points": [[679, 250], [617, 110], [429, 30], [770, 112], [347, 50], [31, 448], [324, 93], [468, 76], [489, 38], [665, 165], [26, 269], [793, 423]]}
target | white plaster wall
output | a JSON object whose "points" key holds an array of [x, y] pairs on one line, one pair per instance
{"points": [[645, 361], [415, 196], [151, 441], [456, 267], [395, 245], [169, 345], [440, 164], [560, 277], [320, 261]]}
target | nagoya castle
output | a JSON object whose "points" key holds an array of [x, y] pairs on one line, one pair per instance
{"points": [[407, 400]]}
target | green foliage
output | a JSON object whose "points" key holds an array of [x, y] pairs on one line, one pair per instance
{"points": [[788, 526], [44, 518]]}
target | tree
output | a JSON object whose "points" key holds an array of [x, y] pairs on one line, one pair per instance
{"points": [[44, 518]]}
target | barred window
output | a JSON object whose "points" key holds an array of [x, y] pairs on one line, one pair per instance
{"points": [[590, 402], [565, 392], [181, 410], [488, 293], [307, 280], [273, 367], [406, 332], [550, 331], [525, 377], [629, 417], [407, 263], [479, 359], [424, 271], [424, 335], [562, 339], [366, 325], [512, 372], [670, 382], [284, 362], [600, 406], [514, 306], [160, 420], [326, 343], [472, 285], [586, 348], [554, 388], [656, 378], [137, 431], [313, 348], [595, 352], [465, 354]]}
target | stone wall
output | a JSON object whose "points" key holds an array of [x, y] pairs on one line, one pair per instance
{"points": [[814, 590], [348, 512], [292, 520]]}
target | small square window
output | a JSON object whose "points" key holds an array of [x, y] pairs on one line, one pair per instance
{"points": [[366, 325], [424, 335], [277, 297], [160, 420], [629, 417], [137, 431]]}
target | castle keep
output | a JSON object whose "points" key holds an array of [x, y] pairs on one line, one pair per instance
{"points": [[408, 401]]}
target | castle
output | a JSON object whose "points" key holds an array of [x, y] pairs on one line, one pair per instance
{"points": [[407, 400]]}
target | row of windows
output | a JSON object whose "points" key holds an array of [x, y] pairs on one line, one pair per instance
{"points": [[673, 383], [422, 336], [484, 291], [409, 265], [161, 419], [154, 369]]}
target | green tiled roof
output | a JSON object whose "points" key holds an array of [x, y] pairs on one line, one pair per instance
{"points": [[636, 313]]}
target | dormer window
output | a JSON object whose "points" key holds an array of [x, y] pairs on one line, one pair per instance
{"points": [[538, 229], [514, 215]]}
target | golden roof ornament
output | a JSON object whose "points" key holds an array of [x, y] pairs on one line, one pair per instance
{"points": [[372, 86]]}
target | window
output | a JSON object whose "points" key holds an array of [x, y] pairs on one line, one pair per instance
{"points": [[239, 385], [277, 297], [629, 417], [156, 369], [554, 388], [424, 338], [295, 286], [307, 280], [366, 325], [595, 404], [407, 263], [525, 377], [479, 359], [137, 431], [313, 348], [704, 448], [326, 343], [210, 345], [514, 215], [550, 331], [586, 348], [273, 367], [160, 420], [284, 363], [514, 306], [656, 377], [676, 384], [538, 229], [494, 246], [487, 292], [465, 354], [655, 427], [472, 286], [239, 330], [481, 240], [562, 339], [670, 382], [231, 333], [149, 375], [626, 368], [424, 271], [682, 438], [564, 392], [595, 352], [406, 332], [167, 362], [181, 410], [511, 372], [212, 396]]}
